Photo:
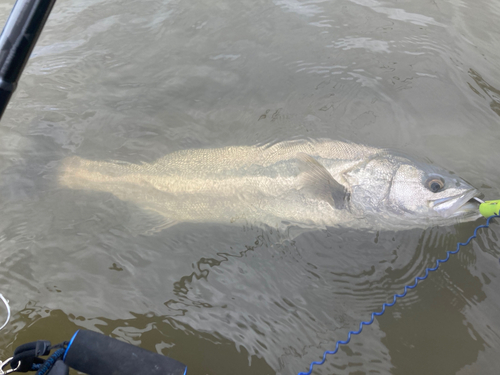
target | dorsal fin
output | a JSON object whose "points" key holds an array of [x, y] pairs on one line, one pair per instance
{"points": [[318, 182]]}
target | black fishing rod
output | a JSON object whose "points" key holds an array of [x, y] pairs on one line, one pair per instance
{"points": [[18, 38], [91, 353]]}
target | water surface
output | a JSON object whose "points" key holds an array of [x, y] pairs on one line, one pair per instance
{"points": [[133, 81]]}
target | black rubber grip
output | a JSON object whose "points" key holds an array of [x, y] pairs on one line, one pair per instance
{"points": [[59, 369], [96, 354]]}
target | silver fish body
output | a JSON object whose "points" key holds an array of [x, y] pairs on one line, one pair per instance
{"points": [[302, 183]]}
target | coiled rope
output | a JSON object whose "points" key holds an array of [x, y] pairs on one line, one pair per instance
{"points": [[396, 296]]}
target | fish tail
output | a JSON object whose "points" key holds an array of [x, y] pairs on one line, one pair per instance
{"points": [[79, 173], [69, 172]]}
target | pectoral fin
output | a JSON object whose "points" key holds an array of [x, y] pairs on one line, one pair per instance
{"points": [[317, 181]]}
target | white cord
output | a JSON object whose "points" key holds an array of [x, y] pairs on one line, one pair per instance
{"points": [[8, 310]]}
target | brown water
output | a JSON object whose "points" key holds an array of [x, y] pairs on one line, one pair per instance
{"points": [[129, 80]]}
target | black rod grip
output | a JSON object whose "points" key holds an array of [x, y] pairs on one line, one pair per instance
{"points": [[59, 369], [96, 354], [19, 35]]}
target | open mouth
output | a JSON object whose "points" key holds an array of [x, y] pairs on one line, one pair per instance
{"points": [[463, 204]]}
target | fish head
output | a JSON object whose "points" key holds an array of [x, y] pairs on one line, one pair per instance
{"points": [[405, 192]]}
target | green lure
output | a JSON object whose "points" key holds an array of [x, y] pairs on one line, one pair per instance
{"points": [[489, 208]]}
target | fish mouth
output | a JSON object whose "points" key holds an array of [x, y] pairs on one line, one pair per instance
{"points": [[464, 204]]}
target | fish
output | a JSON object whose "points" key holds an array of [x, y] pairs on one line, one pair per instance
{"points": [[304, 183]]}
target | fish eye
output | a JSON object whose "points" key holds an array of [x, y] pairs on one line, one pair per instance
{"points": [[435, 184]]}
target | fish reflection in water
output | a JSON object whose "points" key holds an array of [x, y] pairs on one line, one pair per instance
{"points": [[302, 183]]}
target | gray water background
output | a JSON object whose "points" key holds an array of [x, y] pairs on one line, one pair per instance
{"points": [[135, 80]]}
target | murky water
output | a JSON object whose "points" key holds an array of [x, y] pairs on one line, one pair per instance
{"points": [[135, 80]]}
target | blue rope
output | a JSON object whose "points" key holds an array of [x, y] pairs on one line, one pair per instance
{"points": [[396, 296], [50, 362]]}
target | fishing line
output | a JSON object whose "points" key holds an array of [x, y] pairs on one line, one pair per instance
{"points": [[490, 208]]}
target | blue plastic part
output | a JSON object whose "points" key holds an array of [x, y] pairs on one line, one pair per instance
{"points": [[69, 345], [396, 296]]}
